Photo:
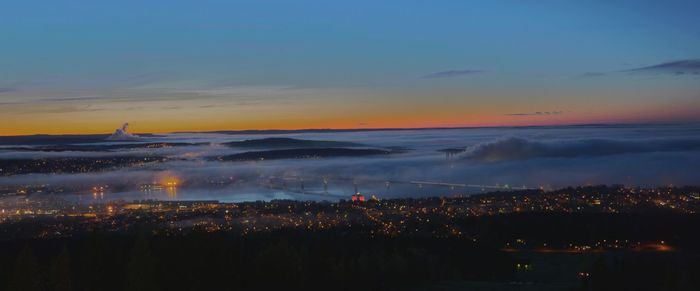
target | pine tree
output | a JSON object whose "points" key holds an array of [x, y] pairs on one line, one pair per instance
{"points": [[141, 269], [60, 272], [26, 276]]}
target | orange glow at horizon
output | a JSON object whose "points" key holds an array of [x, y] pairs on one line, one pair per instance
{"points": [[142, 127], [356, 116]]}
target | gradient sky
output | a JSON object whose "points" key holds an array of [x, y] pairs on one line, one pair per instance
{"points": [[88, 66]]}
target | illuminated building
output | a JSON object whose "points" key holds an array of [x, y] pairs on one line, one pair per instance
{"points": [[357, 197]]}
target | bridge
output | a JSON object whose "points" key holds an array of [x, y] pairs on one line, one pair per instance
{"points": [[301, 181]]}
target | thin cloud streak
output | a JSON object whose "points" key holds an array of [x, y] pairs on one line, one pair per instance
{"points": [[680, 67], [674, 68], [452, 74], [538, 113]]}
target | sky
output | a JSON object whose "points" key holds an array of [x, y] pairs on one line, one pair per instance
{"points": [[89, 66]]}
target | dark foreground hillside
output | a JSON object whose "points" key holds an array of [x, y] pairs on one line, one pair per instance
{"points": [[348, 259]]}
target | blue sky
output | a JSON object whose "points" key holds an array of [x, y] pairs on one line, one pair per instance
{"points": [[68, 61]]}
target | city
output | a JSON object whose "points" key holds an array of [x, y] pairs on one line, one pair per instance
{"points": [[521, 232], [433, 216], [349, 145]]}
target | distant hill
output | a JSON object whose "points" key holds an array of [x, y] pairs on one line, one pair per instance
{"points": [[102, 147], [284, 142], [310, 153], [45, 139], [74, 165]]}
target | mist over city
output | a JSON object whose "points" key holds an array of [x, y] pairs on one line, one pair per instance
{"points": [[349, 145], [494, 158]]}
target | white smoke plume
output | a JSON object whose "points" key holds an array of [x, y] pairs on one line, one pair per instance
{"points": [[123, 134]]}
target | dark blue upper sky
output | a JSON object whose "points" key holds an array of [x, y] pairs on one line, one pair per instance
{"points": [[304, 63]]}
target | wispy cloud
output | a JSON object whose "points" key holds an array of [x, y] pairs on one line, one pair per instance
{"points": [[48, 100], [68, 99], [674, 68], [58, 109], [681, 67], [452, 74], [151, 78], [537, 113], [591, 74]]}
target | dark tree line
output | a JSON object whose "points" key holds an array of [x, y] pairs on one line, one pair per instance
{"points": [[225, 262], [346, 259]]}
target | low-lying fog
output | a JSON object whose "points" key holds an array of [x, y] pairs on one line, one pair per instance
{"points": [[550, 157]]}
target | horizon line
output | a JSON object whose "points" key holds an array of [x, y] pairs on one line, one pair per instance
{"points": [[284, 131]]}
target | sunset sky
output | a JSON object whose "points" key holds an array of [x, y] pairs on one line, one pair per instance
{"points": [[88, 66]]}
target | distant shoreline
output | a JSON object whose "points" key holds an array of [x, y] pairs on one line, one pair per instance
{"points": [[332, 130]]}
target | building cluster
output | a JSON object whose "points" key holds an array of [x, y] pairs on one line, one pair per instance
{"points": [[10, 167], [49, 215]]}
